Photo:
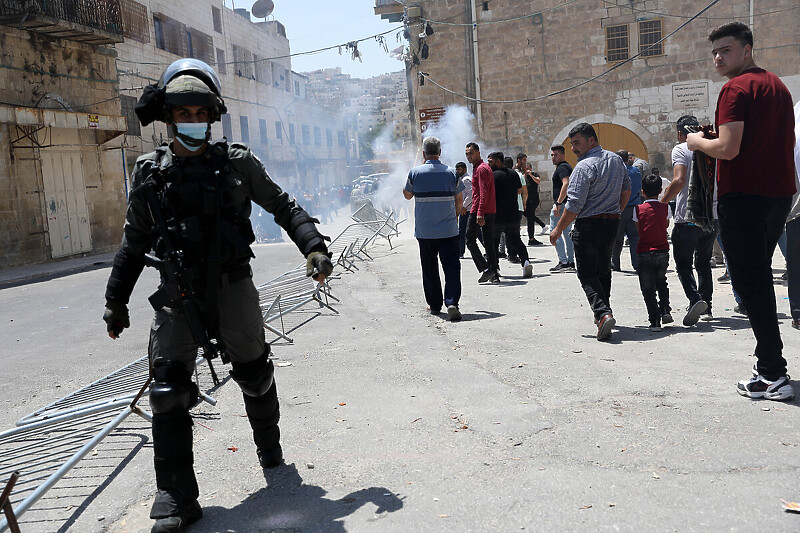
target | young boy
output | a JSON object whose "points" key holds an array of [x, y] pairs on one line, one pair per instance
{"points": [[653, 252]]}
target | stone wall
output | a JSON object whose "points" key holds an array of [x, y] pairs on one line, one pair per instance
{"points": [[74, 80], [535, 56]]}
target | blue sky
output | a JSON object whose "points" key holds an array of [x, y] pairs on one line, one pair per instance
{"points": [[312, 24]]}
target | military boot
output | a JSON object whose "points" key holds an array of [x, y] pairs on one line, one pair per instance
{"points": [[175, 506], [264, 414]]}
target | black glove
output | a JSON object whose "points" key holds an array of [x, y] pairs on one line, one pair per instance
{"points": [[116, 317], [318, 263]]}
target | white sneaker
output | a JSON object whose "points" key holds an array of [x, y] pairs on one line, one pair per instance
{"points": [[545, 231], [527, 269]]}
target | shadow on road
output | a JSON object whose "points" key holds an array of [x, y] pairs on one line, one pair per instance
{"points": [[287, 504], [480, 315]]}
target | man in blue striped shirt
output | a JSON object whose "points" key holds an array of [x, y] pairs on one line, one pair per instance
{"points": [[438, 199]]}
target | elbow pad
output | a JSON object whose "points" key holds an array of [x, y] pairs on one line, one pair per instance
{"points": [[302, 229], [125, 272]]}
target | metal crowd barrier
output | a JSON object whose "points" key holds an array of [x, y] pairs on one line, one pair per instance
{"points": [[49, 442], [384, 224]]}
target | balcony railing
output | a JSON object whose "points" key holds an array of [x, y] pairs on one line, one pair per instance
{"points": [[88, 21]]}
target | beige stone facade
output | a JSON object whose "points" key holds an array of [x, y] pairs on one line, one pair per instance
{"points": [[562, 44], [62, 185], [301, 144]]}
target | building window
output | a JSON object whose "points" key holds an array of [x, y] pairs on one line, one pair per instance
{"points": [[170, 34], [263, 70], [134, 21], [340, 134], [617, 43], [227, 131], [245, 127], [306, 131], [649, 34], [200, 45], [297, 88], [222, 65], [127, 103], [317, 136], [262, 130], [329, 137], [291, 134], [278, 131], [243, 59], [216, 16]]}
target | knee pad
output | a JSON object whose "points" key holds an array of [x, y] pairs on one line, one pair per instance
{"points": [[255, 377], [173, 390]]}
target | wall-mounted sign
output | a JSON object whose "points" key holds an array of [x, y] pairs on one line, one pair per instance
{"points": [[94, 121], [690, 95], [429, 116]]}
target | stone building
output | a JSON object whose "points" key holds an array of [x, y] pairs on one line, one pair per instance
{"points": [[555, 54], [62, 183], [303, 145]]}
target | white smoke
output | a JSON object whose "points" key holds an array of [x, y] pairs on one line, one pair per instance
{"points": [[454, 130]]}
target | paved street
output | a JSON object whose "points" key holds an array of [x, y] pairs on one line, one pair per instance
{"points": [[514, 419]]}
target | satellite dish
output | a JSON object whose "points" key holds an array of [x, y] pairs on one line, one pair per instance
{"points": [[262, 8]]}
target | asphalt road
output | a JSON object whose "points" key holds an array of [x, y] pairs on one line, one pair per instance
{"points": [[514, 419]]}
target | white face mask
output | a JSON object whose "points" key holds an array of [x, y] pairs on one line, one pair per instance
{"points": [[192, 135]]}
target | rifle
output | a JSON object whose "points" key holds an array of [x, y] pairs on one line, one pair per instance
{"points": [[176, 286]]}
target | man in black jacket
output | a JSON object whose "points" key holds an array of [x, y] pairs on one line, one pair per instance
{"points": [[507, 187]]}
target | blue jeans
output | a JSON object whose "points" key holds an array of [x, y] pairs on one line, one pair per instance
{"points": [[689, 243], [564, 247], [653, 279], [594, 238], [793, 265], [446, 251], [750, 227], [626, 227]]}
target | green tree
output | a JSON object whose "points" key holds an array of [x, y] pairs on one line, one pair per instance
{"points": [[366, 141]]}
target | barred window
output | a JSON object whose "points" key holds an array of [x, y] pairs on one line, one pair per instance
{"points": [[134, 21], [127, 102], [201, 45], [245, 127], [262, 69], [243, 59], [262, 130], [222, 65], [170, 34], [650, 32], [216, 16], [279, 131], [227, 130], [617, 43]]}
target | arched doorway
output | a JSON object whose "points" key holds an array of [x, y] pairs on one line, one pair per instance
{"points": [[613, 137]]}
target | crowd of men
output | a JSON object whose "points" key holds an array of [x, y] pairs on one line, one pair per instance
{"points": [[723, 189]]}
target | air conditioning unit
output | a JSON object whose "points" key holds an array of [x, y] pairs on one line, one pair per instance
{"points": [[413, 12]]}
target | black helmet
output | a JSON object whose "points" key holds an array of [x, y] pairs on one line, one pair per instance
{"points": [[187, 81]]}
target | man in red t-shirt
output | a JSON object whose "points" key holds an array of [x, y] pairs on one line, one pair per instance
{"points": [[481, 217], [755, 184]]}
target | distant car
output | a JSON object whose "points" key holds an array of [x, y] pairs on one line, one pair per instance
{"points": [[365, 189]]}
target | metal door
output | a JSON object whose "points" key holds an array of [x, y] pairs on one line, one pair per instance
{"points": [[65, 195]]}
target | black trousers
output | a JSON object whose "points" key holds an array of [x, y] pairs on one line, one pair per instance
{"points": [[627, 226], [750, 227], [516, 248], [530, 216], [653, 281], [488, 242], [431, 252], [593, 239], [689, 243]]}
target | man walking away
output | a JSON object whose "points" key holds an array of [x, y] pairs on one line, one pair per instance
{"points": [[627, 227], [481, 217], [688, 240], [754, 118], [508, 217], [438, 193], [564, 247], [598, 190]]}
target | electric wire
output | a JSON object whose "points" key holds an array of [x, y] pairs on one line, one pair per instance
{"points": [[663, 14], [577, 85]]}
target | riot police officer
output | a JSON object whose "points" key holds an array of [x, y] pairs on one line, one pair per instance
{"points": [[188, 214]]}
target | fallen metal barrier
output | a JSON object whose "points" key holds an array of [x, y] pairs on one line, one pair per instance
{"points": [[384, 224], [49, 442]]}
